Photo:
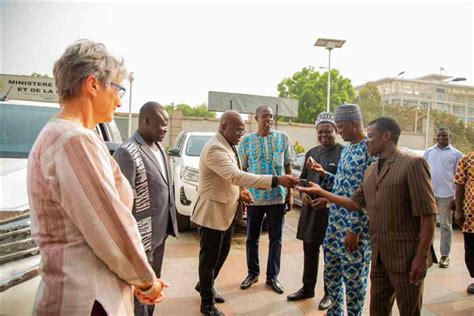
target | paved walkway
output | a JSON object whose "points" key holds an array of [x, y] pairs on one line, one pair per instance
{"points": [[445, 289]]}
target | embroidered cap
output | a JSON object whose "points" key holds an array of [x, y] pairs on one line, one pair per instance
{"points": [[348, 112], [325, 117]]}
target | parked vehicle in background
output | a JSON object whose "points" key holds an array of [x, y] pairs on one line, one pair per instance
{"points": [[296, 169], [20, 124], [184, 162]]}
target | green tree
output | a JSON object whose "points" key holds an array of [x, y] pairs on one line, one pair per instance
{"points": [[310, 88], [199, 110], [299, 149], [370, 102], [461, 137]]}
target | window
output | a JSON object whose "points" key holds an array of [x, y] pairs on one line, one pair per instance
{"points": [[458, 109], [20, 126], [195, 144], [179, 141], [439, 94]]}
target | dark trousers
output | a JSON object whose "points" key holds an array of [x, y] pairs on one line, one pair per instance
{"points": [[275, 219], [386, 286], [155, 259], [469, 252], [215, 246], [311, 264]]}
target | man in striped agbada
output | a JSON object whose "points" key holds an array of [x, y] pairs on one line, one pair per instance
{"points": [[397, 193]]}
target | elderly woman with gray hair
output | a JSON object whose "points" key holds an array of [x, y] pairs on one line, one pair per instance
{"points": [[91, 252]]}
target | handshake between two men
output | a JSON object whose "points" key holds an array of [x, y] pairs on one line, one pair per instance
{"points": [[285, 180], [305, 189]]}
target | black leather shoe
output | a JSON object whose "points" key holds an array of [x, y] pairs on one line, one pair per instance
{"points": [[300, 295], [249, 280], [217, 297], [211, 310], [275, 285], [325, 302]]}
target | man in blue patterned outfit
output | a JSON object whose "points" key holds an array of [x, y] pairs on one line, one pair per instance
{"points": [[266, 152], [346, 245]]}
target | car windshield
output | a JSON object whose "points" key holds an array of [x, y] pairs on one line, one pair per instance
{"points": [[195, 144], [20, 126]]}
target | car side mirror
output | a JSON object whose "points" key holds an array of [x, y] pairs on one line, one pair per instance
{"points": [[174, 152]]}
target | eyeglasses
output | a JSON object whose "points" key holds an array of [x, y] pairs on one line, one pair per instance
{"points": [[240, 131], [120, 89]]}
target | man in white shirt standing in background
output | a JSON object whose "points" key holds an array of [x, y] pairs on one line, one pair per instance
{"points": [[443, 159]]}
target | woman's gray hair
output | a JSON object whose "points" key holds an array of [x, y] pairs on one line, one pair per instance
{"points": [[81, 59]]}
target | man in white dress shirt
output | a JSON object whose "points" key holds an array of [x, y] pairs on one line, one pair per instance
{"points": [[443, 160]]}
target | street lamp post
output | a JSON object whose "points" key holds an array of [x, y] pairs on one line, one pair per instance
{"points": [[416, 118], [390, 91], [429, 106], [427, 131], [130, 80], [329, 44]]}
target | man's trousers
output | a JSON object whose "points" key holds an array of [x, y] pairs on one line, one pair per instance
{"points": [[469, 252], [215, 246], [346, 272], [311, 264], [386, 286], [275, 215], [446, 224]]}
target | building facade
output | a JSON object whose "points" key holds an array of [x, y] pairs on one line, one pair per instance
{"points": [[440, 92]]}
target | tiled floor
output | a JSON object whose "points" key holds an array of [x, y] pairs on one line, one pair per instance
{"points": [[445, 289]]}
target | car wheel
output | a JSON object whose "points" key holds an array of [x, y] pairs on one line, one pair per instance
{"points": [[183, 222]]}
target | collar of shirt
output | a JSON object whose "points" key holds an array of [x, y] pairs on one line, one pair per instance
{"points": [[443, 148]]}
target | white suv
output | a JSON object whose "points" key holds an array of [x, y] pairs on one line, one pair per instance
{"points": [[184, 161]]}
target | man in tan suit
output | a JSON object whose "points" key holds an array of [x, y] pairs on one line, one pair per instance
{"points": [[221, 190], [400, 203]]}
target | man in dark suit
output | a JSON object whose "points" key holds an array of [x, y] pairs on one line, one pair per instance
{"points": [[143, 161], [313, 220], [400, 203]]}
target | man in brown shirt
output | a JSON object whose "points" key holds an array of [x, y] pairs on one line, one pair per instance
{"points": [[397, 193]]}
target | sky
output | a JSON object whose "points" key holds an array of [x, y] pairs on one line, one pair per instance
{"points": [[180, 50]]}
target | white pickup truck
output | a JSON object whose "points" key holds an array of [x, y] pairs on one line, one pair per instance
{"points": [[20, 124], [184, 160]]}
